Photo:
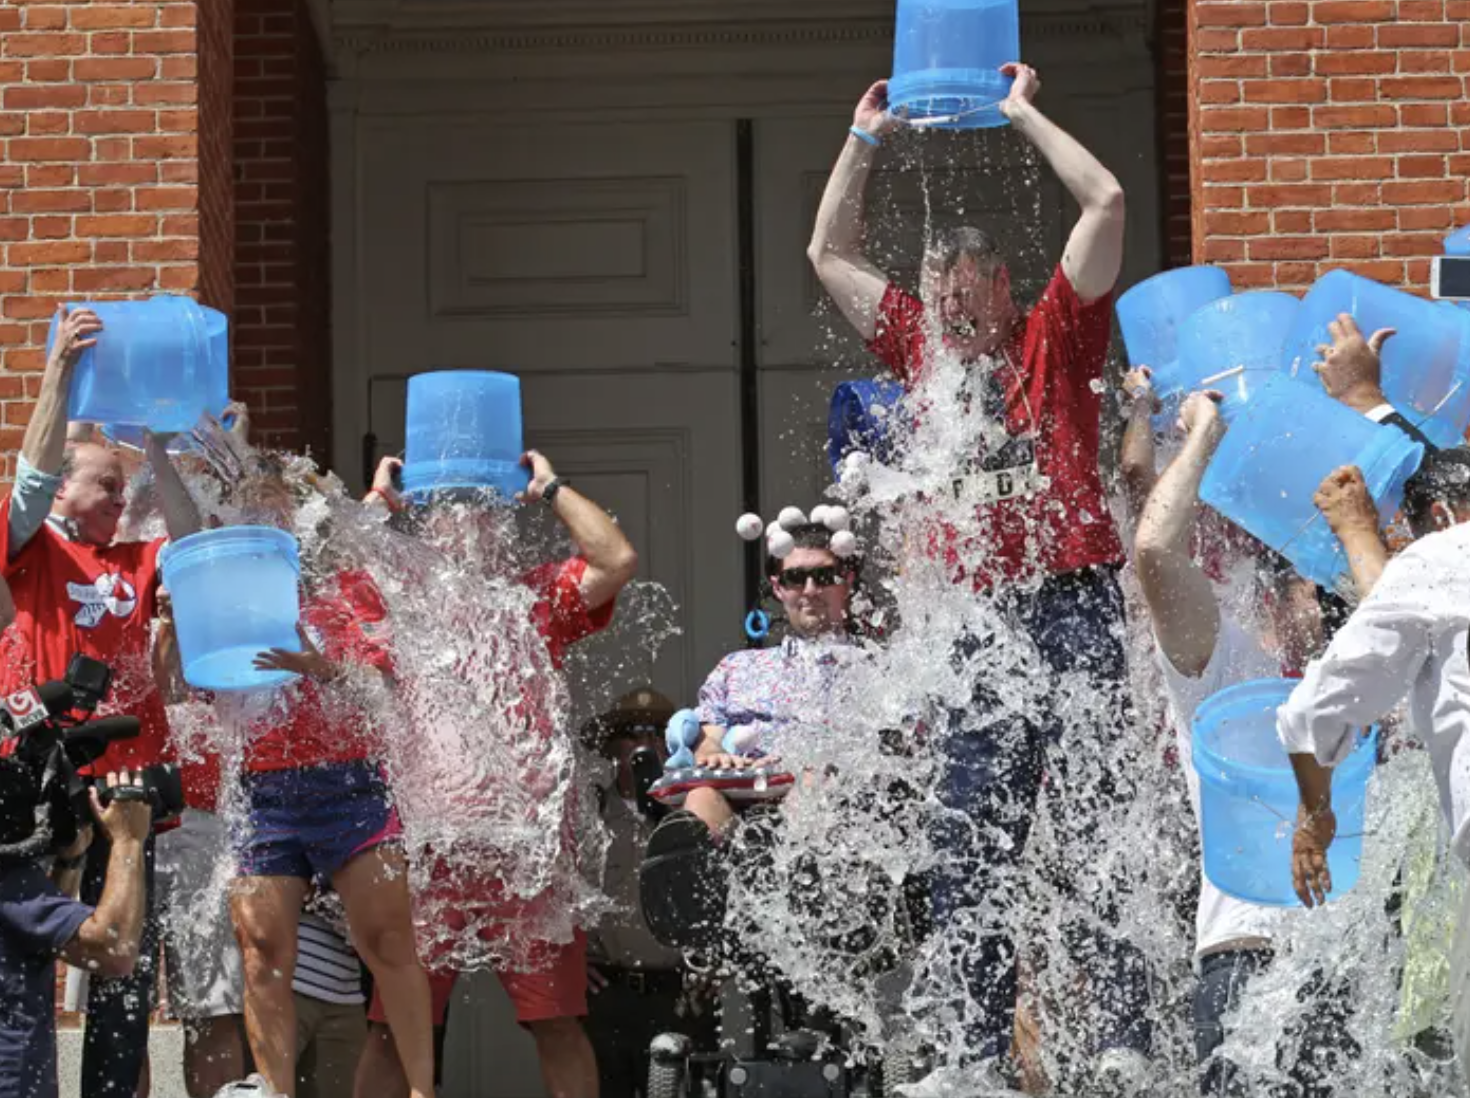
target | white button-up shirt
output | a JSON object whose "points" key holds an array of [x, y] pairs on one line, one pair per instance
{"points": [[1408, 637]]}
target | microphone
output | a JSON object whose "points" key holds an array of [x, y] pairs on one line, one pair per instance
{"points": [[58, 697], [87, 743]]}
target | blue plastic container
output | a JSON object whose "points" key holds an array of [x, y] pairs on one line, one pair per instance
{"points": [[1426, 366], [235, 594], [1247, 330], [947, 56], [159, 363], [464, 432], [1248, 797], [1280, 447], [859, 420], [1458, 242], [1151, 313]]}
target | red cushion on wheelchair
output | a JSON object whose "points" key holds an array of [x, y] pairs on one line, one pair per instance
{"points": [[751, 786]]}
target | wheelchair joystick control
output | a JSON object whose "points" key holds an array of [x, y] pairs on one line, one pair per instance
{"points": [[738, 1075]]}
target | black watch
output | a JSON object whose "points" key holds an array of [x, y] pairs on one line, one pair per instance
{"points": [[548, 494]]}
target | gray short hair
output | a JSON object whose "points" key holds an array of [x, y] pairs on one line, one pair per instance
{"points": [[958, 242]]}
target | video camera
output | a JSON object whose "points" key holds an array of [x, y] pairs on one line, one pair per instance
{"points": [[44, 802]]}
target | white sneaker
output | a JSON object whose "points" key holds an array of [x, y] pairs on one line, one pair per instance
{"points": [[985, 1080], [1122, 1073], [253, 1087]]}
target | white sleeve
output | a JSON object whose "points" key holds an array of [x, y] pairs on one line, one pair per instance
{"points": [[1369, 667]]}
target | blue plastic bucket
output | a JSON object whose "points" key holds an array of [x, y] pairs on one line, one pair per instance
{"points": [[947, 56], [1248, 797], [235, 594], [858, 420], [464, 432], [1458, 242], [1151, 313], [1246, 332], [159, 363], [1426, 366], [1280, 447]]}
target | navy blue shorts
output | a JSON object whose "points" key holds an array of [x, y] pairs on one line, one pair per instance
{"points": [[311, 822]]}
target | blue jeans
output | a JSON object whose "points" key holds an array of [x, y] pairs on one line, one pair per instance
{"points": [[994, 760], [1325, 1045], [116, 1039]]}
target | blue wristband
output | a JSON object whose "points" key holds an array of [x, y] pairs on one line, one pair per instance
{"points": [[864, 135]]}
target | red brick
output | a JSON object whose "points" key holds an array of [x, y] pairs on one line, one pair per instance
{"points": [[1356, 194], [110, 95], [43, 123], [49, 70], [1250, 276], [1420, 141], [1413, 244], [1233, 119], [1301, 194], [59, 251], [1223, 198], [117, 225], [1291, 64], [1291, 221], [43, 45], [156, 93], [92, 175], [1353, 11], [116, 68], [1237, 171], [1421, 11], [167, 198], [1288, 144], [1229, 13], [1214, 40], [1282, 13], [180, 278], [1424, 114], [111, 251], [106, 16], [184, 121], [179, 15], [1282, 39], [165, 41], [1213, 92], [1219, 249], [1421, 192], [1350, 38], [1389, 271], [1209, 67], [40, 97], [1424, 61], [1288, 171], [1355, 247], [166, 148], [1219, 146], [49, 148], [165, 251], [1288, 247], [51, 175], [1236, 223], [1340, 142], [115, 121], [1291, 118], [114, 200], [1421, 87], [52, 228], [1421, 167], [1366, 117], [117, 279], [1408, 35], [1285, 91], [1353, 89], [1353, 167], [1355, 63], [39, 18], [110, 43], [1425, 217]]}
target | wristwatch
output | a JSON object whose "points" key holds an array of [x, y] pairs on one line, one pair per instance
{"points": [[548, 494]]}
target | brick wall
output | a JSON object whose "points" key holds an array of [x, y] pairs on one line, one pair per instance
{"points": [[282, 261], [1328, 133], [99, 170]]}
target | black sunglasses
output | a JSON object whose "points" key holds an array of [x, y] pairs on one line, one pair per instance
{"points": [[794, 579]]}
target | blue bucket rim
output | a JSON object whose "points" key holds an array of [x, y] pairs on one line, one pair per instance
{"points": [[1192, 270], [224, 535], [1265, 690], [466, 372]]}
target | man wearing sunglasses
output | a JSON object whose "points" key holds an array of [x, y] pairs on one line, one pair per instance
{"points": [[756, 696]]}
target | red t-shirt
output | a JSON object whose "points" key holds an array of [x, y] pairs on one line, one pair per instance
{"points": [[100, 601], [312, 724], [1052, 395], [560, 614]]}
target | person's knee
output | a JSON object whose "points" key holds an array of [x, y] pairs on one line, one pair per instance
{"points": [[387, 944]]}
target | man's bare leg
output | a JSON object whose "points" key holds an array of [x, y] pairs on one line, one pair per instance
{"points": [[568, 1064], [379, 1071], [214, 1054]]}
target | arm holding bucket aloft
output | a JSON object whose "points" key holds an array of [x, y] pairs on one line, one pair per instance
{"points": [[1094, 252], [1344, 501], [611, 559], [45, 440], [1181, 601], [836, 250], [1351, 367], [384, 490], [180, 513], [1137, 461]]}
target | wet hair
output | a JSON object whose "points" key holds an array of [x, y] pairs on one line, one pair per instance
{"points": [[68, 463], [963, 241], [1443, 477], [814, 535]]}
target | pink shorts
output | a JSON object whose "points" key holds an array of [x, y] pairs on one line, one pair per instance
{"points": [[555, 986]]}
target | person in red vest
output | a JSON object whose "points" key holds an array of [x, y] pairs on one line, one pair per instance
{"points": [[1046, 552], [77, 590]]}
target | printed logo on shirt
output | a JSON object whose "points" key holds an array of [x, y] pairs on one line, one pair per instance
{"points": [[109, 593]]}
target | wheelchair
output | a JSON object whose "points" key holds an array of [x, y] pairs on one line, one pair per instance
{"points": [[772, 1043]]}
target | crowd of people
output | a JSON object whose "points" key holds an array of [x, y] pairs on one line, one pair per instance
{"points": [[313, 978]]}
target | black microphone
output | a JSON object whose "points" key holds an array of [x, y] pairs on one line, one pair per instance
{"points": [[58, 697], [88, 742]]}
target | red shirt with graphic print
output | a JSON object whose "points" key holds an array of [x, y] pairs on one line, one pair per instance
{"points": [[312, 724], [1053, 393], [100, 601]]}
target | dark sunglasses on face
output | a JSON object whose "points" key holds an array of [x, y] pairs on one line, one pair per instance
{"points": [[794, 579]]}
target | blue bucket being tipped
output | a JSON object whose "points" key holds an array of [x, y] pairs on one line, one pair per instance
{"points": [[464, 433], [1232, 345], [235, 594], [160, 363], [947, 56], [1248, 797]]}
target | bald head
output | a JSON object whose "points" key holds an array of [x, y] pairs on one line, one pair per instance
{"points": [[92, 490]]}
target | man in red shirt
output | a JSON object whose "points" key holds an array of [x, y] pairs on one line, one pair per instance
{"points": [[1046, 550], [75, 591], [574, 598]]}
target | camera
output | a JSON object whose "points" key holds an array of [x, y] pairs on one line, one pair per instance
{"points": [[44, 801]]}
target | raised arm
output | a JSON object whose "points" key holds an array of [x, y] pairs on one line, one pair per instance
{"points": [[1094, 253], [44, 444], [611, 561], [1344, 501], [836, 250], [1181, 602], [1138, 460], [180, 512]]}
